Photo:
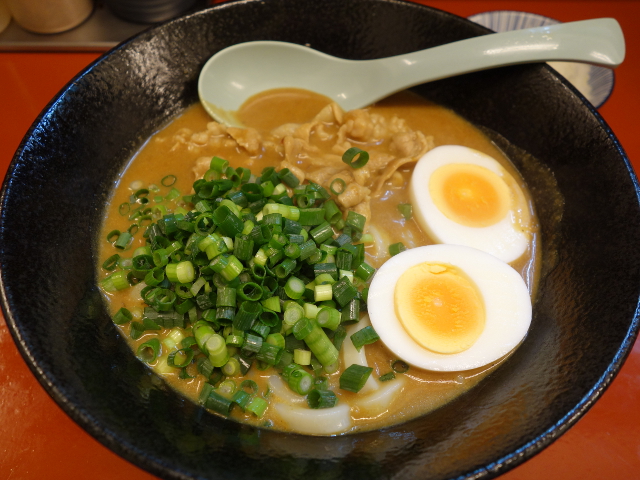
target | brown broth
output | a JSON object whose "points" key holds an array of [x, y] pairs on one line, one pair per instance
{"points": [[175, 149], [282, 105]]}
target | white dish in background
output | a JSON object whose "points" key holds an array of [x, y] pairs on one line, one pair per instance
{"points": [[595, 83]]}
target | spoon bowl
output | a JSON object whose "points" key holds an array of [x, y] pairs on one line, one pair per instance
{"points": [[236, 73]]}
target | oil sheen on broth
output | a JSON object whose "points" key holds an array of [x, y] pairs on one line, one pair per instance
{"points": [[184, 147]]}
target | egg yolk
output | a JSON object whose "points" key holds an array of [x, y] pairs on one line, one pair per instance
{"points": [[469, 194], [439, 307]]}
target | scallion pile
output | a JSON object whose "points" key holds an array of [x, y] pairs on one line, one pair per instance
{"points": [[246, 273]]}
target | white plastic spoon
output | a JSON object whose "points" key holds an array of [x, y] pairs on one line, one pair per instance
{"points": [[238, 72]]}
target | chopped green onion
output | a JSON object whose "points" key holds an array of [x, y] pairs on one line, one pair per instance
{"points": [[217, 349], [311, 216], [355, 221], [322, 399], [289, 178], [227, 388], [399, 366], [276, 339], [364, 336], [168, 180], [151, 325], [185, 272], [228, 261], [351, 312], [269, 318], [317, 341], [243, 247], [124, 239], [406, 210], [204, 367], [341, 186], [338, 337], [328, 318], [354, 377], [293, 315], [250, 291], [185, 355], [234, 340], [164, 299], [149, 350], [250, 385], [160, 257], [257, 406], [332, 212], [284, 269], [298, 379], [225, 315], [232, 175], [396, 248], [364, 271], [241, 398], [261, 329], [355, 157], [294, 288], [154, 277], [344, 291], [307, 249], [122, 316], [137, 329], [302, 328], [252, 344], [216, 402], [197, 285], [302, 357], [188, 342], [387, 376], [344, 260], [113, 235], [218, 164], [124, 208], [232, 367], [322, 292], [310, 310], [322, 232], [269, 353], [272, 303], [292, 250], [287, 211], [348, 274], [111, 262], [229, 267], [305, 201], [321, 382], [226, 297]]}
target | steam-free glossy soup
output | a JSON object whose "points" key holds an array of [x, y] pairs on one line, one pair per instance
{"points": [[395, 132]]}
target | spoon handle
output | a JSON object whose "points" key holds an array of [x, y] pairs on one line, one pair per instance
{"points": [[598, 41]]}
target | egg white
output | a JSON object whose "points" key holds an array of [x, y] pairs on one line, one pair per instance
{"points": [[504, 293], [507, 239]]}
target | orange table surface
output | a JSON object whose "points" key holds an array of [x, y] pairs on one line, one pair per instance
{"points": [[38, 440]]}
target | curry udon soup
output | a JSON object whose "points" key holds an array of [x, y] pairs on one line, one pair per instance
{"points": [[237, 262]]}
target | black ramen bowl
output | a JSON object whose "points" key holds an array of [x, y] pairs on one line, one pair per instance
{"points": [[54, 195]]}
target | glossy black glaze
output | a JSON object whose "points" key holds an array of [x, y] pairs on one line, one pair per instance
{"points": [[53, 197]]}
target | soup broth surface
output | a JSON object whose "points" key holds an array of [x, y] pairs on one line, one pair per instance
{"points": [[184, 148]]}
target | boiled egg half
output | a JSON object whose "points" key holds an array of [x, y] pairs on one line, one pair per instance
{"points": [[464, 197], [449, 307]]}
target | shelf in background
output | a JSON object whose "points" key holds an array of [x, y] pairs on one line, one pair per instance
{"points": [[100, 32]]}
